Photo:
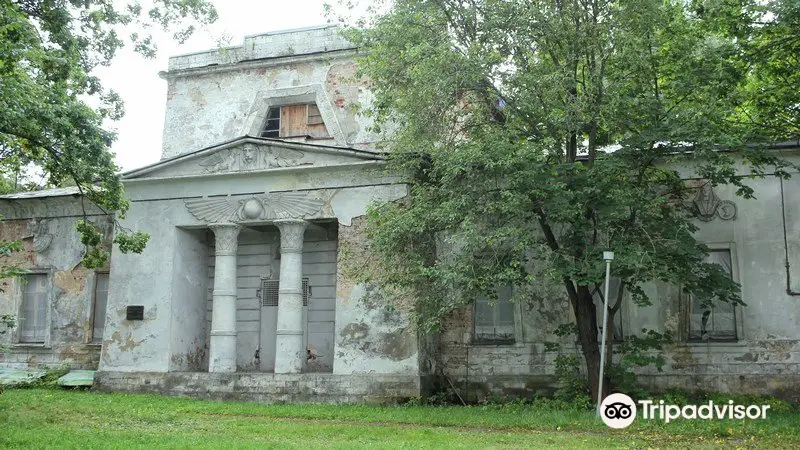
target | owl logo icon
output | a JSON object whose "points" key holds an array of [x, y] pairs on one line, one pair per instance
{"points": [[618, 410]]}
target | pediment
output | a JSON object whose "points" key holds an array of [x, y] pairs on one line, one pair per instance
{"points": [[250, 154]]}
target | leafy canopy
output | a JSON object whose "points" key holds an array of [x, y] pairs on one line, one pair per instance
{"points": [[48, 124], [536, 134]]}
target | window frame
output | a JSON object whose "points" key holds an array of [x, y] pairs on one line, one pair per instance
{"points": [[267, 120], [516, 338], [93, 306], [686, 303], [19, 294]]}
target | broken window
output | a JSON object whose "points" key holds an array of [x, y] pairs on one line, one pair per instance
{"points": [[494, 318], [291, 121], [33, 311], [99, 306], [272, 127], [715, 322]]}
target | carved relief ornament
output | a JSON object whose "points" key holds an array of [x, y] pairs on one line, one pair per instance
{"points": [[291, 233], [258, 208], [226, 236], [250, 157], [707, 205]]}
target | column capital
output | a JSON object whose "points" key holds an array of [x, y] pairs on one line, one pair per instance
{"points": [[226, 236], [291, 233]]}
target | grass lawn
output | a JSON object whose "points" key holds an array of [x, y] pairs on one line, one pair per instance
{"points": [[37, 418]]}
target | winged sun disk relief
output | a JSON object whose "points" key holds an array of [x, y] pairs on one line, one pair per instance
{"points": [[280, 205]]}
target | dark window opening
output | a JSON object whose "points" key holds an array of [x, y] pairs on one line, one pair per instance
{"points": [[33, 314], [272, 127], [716, 322], [494, 318]]}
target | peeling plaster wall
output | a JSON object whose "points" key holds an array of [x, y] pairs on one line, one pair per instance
{"points": [[189, 351], [371, 337], [764, 360], [219, 95], [143, 280], [155, 279], [51, 245]]}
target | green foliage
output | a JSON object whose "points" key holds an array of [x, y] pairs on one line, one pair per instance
{"points": [[132, 243], [37, 418], [683, 397], [50, 378], [503, 115], [48, 51], [768, 33], [572, 387], [7, 248]]}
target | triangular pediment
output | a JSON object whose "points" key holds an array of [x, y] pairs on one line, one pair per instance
{"points": [[251, 154]]}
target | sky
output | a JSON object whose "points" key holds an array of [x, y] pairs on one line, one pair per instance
{"points": [[144, 93]]}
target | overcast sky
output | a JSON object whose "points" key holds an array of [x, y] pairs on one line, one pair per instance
{"points": [[136, 79]]}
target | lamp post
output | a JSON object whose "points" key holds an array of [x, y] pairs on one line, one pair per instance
{"points": [[607, 257]]}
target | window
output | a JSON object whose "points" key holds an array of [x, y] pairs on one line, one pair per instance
{"points": [[494, 319], [718, 321], [99, 306], [313, 115], [272, 127], [33, 311], [613, 289], [291, 121]]}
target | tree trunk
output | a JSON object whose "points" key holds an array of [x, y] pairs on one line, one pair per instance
{"points": [[586, 317]]}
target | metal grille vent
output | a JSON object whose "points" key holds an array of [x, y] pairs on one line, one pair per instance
{"points": [[269, 292]]}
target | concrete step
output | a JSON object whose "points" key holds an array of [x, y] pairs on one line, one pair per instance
{"points": [[10, 376], [77, 378]]}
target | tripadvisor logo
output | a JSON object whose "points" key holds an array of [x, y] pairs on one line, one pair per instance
{"points": [[619, 411]]}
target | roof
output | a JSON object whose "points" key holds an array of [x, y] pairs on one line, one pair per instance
{"points": [[44, 193], [366, 154]]}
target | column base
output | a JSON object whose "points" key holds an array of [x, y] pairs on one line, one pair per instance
{"points": [[290, 355], [222, 354]]}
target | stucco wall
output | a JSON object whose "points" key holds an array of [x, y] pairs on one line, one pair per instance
{"points": [[216, 96], [159, 207], [51, 245]]}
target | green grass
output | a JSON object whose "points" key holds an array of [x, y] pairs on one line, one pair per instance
{"points": [[49, 418]]}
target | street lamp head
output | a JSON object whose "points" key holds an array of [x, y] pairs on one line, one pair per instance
{"points": [[608, 256]]}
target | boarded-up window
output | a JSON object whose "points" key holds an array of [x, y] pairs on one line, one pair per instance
{"points": [[718, 321], [33, 313], [99, 306], [314, 116], [291, 121], [494, 318]]}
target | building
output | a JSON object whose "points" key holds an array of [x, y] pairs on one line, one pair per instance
{"points": [[256, 211]]}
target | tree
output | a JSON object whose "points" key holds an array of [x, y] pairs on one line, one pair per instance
{"points": [[536, 134], [772, 38], [48, 50]]}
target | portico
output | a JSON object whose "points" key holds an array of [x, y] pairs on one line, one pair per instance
{"points": [[290, 352], [244, 276]]}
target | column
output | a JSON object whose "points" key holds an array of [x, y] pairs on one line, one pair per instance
{"points": [[222, 354], [289, 352]]}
